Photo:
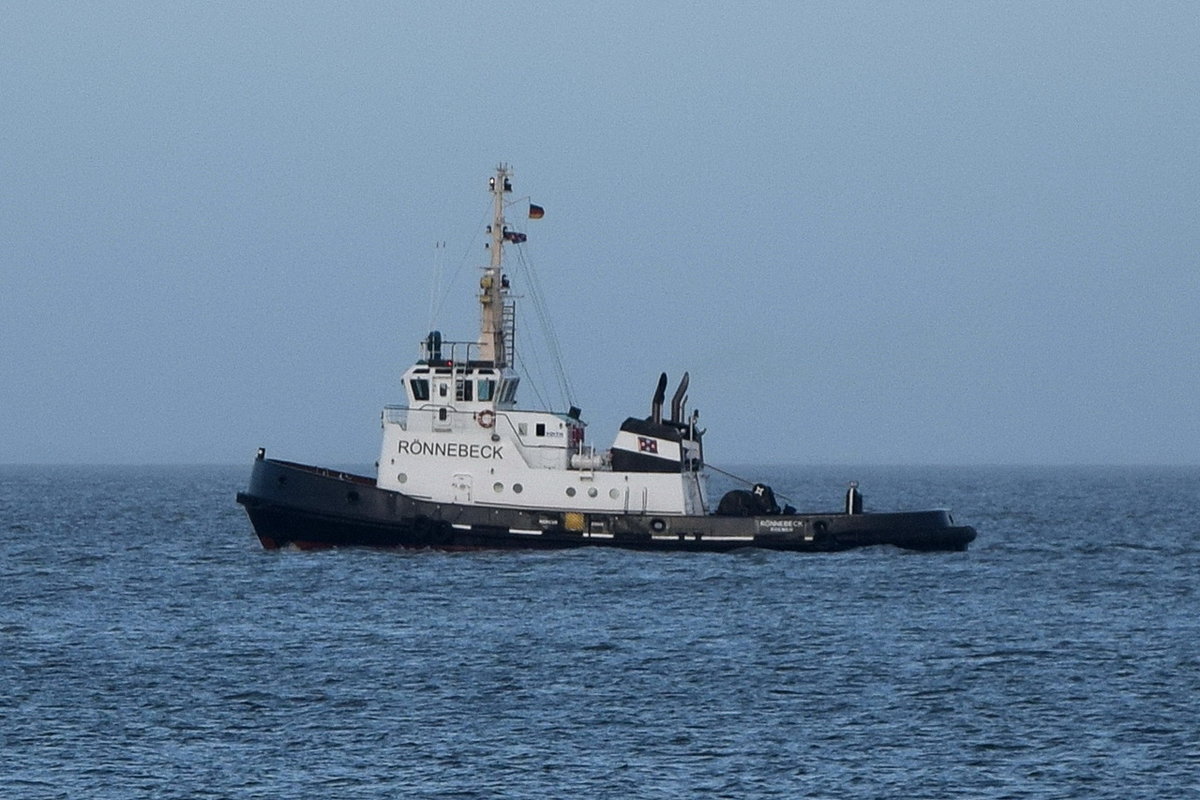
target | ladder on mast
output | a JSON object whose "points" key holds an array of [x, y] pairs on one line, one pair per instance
{"points": [[508, 322]]}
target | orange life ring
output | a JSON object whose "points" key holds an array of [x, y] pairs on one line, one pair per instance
{"points": [[486, 418]]}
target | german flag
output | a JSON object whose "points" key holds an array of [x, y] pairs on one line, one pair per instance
{"points": [[536, 212]]}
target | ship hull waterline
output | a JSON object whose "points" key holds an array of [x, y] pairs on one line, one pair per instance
{"points": [[307, 507]]}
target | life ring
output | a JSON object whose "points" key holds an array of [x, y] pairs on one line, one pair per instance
{"points": [[486, 418]]}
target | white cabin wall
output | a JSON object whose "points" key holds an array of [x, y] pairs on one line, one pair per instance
{"points": [[512, 471]]}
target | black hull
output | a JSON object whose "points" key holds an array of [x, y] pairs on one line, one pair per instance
{"points": [[311, 507]]}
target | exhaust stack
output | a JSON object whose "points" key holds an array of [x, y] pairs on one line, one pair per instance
{"points": [[659, 394], [677, 400]]}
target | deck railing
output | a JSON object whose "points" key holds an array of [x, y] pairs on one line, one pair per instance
{"points": [[434, 350]]}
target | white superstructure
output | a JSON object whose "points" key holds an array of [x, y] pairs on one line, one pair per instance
{"points": [[461, 437]]}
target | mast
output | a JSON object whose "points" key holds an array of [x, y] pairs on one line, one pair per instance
{"points": [[494, 344]]}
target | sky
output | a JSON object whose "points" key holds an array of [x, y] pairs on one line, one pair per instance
{"points": [[873, 233]]}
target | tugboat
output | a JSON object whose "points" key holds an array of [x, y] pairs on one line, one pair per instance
{"points": [[463, 465]]}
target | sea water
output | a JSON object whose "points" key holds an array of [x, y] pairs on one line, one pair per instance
{"points": [[150, 648]]}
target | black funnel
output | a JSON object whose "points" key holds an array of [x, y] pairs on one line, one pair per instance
{"points": [[659, 394], [677, 400]]}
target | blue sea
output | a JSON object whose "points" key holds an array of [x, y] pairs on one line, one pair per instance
{"points": [[150, 648]]}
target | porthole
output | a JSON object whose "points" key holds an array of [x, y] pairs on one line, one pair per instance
{"points": [[592, 492], [518, 488], [402, 478], [614, 494], [498, 487], [570, 491]]}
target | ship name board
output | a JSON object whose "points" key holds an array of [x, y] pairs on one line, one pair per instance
{"points": [[415, 447], [780, 525]]}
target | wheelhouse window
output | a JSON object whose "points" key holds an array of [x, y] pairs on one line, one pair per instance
{"points": [[463, 389], [486, 389], [420, 388], [508, 390]]}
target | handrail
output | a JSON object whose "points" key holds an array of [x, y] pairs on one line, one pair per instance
{"points": [[434, 351]]}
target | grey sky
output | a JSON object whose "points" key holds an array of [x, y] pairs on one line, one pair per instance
{"points": [[873, 232]]}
